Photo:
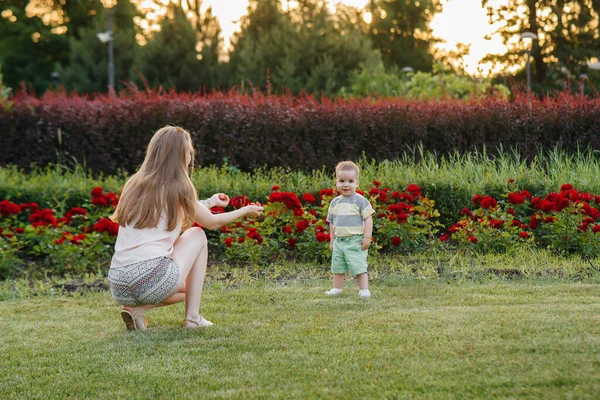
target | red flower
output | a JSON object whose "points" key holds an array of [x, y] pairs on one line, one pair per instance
{"points": [[444, 237], [274, 188], [77, 238], [97, 191], [560, 204], [322, 237], [217, 210], [511, 180], [287, 229], [472, 239], [75, 211], [414, 190], [496, 223], [43, 218], [241, 239], [292, 242], [380, 195], [399, 208], [534, 222], [516, 198], [302, 225], [376, 183], [290, 200], [466, 211], [33, 207], [19, 230], [510, 211], [106, 225], [566, 186], [309, 198], [524, 235], [396, 240], [596, 228], [100, 201], [401, 218], [7, 208], [326, 193], [476, 200], [458, 226], [228, 241], [239, 201], [488, 202]]}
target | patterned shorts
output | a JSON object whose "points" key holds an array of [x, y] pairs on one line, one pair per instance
{"points": [[145, 282]]}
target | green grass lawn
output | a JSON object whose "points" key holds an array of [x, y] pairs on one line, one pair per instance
{"points": [[412, 339]]}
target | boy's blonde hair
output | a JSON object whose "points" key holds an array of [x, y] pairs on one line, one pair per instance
{"points": [[347, 166], [162, 184]]}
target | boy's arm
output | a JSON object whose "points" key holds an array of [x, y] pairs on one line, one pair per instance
{"points": [[331, 235], [368, 232]]}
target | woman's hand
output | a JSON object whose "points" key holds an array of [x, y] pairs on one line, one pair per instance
{"points": [[253, 210], [219, 200]]}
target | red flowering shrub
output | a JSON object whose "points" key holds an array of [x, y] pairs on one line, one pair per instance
{"points": [[566, 221], [283, 130]]}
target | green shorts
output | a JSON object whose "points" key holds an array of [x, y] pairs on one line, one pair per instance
{"points": [[348, 255]]}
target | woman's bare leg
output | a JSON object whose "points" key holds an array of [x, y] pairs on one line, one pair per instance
{"points": [[190, 251]]}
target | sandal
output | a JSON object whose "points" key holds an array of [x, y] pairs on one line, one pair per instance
{"points": [[134, 321], [200, 322]]}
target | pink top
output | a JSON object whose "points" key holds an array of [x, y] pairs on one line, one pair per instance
{"points": [[135, 245]]}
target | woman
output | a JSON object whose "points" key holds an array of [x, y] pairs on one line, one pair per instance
{"points": [[153, 265]]}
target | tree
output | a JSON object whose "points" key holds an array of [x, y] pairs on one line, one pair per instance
{"points": [[170, 59], [87, 68], [305, 48], [400, 30], [567, 34], [29, 49], [211, 74]]}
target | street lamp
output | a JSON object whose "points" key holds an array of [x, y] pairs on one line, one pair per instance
{"points": [[107, 37], [583, 78], [528, 36]]}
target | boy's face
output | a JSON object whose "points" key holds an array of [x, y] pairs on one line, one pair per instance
{"points": [[346, 182]]}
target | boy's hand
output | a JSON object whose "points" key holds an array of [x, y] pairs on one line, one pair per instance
{"points": [[331, 244], [366, 242]]}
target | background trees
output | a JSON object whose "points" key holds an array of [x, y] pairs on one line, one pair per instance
{"points": [[301, 46], [568, 36]]}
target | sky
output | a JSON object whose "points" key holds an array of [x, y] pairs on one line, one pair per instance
{"points": [[461, 21]]}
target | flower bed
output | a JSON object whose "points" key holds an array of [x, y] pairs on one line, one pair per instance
{"points": [[81, 239]]}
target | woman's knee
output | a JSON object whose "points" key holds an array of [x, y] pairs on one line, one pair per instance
{"points": [[196, 234]]}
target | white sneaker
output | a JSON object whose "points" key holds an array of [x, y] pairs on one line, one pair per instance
{"points": [[333, 292], [364, 293]]}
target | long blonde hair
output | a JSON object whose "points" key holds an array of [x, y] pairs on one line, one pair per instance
{"points": [[162, 183]]}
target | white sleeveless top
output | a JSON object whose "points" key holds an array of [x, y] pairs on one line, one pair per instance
{"points": [[135, 245]]}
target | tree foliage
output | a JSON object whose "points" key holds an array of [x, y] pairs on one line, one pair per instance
{"points": [[87, 69], [568, 35], [170, 59], [305, 48], [401, 32]]}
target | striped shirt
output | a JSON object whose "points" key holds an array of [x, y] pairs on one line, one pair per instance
{"points": [[347, 214]]}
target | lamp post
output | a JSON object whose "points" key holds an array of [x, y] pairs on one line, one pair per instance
{"points": [[583, 78], [107, 37], [528, 36]]}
